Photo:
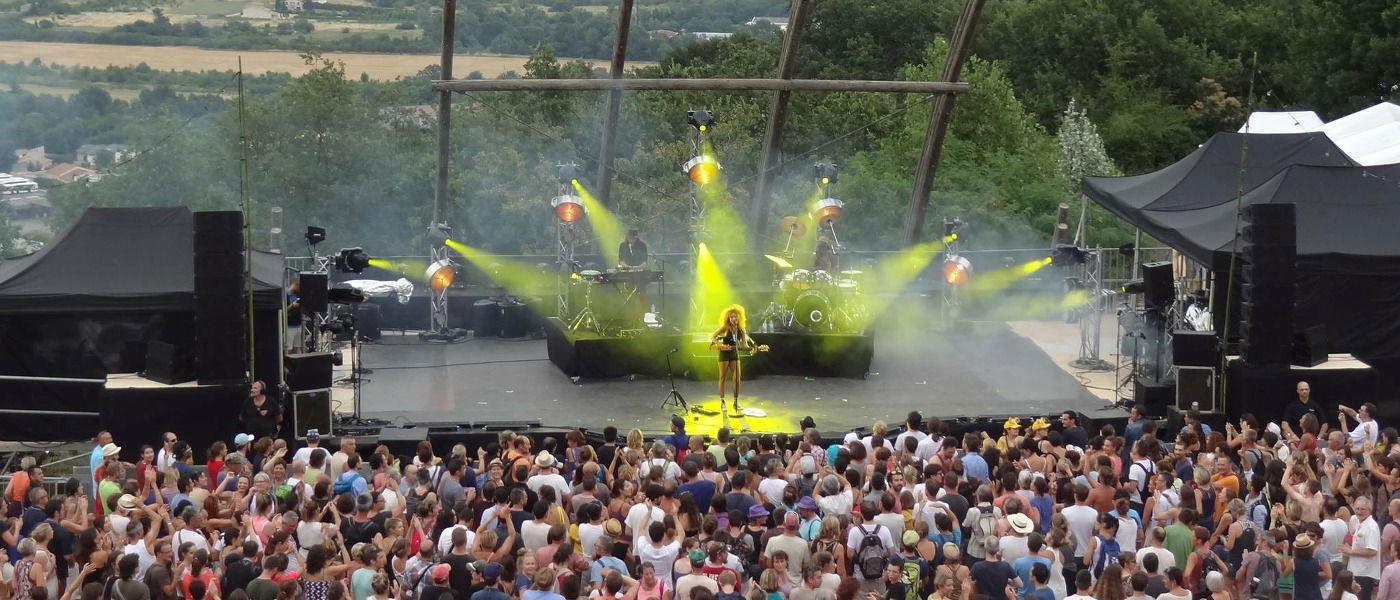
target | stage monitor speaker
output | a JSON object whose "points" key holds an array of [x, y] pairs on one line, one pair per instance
{"points": [[1195, 348], [311, 409], [486, 318], [1155, 395], [313, 293], [167, 363], [1157, 288], [1195, 388], [403, 441], [309, 371], [1310, 346]]}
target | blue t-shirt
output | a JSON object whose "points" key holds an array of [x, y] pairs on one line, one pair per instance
{"points": [[1041, 594], [540, 595], [975, 466], [495, 594], [1023, 568], [595, 572], [702, 489]]}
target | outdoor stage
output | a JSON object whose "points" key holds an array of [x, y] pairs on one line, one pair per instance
{"points": [[987, 370]]}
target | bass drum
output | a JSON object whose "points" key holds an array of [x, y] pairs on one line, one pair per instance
{"points": [[812, 310]]}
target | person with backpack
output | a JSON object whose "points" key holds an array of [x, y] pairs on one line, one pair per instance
{"points": [[1103, 548], [1261, 569], [869, 544], [916, 572], [1202, 561], [981, 524]]}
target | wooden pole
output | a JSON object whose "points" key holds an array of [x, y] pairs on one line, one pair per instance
{"points": [[603, 182], [958, 49], [745, 85], [440, 201], [777, 119]]}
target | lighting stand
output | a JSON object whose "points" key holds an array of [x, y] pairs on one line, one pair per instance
{"points": [[312, 338], [698, 233], [439, 329], [951, 309], [1090, 317], [566, 237]]}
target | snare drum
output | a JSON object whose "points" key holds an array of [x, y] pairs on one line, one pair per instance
{"points": [[822, 279]]}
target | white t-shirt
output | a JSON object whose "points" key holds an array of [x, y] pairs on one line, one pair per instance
{"points": [[310, 534], [304, 454], [662, 558], [853, 541], [899, 439], [185, 535], [772, 489], [445, 539], [634, 522], [1334, 533], [1013, 547], [1367, 535], [1141, 473], [836, 504], [144, 554], [553, 480], [929, 447], [672, 470], [588, 535], [1081, 520], [1362, 433], [1166, 501], [1165, 558], [535, 535], [694, 580], [1078, 597], [870, 442]]}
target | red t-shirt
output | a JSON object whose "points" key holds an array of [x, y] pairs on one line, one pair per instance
{"points": [[714, 571]]}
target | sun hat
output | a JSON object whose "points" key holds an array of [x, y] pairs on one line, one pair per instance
{"points": [[127, 502], [757, 511], [1012, 423], [910, 537], [544, 460], [109, 450], [1020, 523], [1039, 423], [1303, 541], [806, 503]]}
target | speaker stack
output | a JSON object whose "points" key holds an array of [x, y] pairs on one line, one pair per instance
{"points": [[1269, 250], [220, 304]]}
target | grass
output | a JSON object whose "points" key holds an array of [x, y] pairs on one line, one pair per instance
{"points": [[181, 58], [67, 91]]}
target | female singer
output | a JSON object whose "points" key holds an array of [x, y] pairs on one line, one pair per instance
{"points": [[728, 339]]}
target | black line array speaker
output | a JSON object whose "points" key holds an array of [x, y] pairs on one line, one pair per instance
{"points": [[311, 409], [313, 292], [1195, 349], [1225, 289], [1268, 247], [167, 363], [309, 371], [220, 301], [1157, 288]]}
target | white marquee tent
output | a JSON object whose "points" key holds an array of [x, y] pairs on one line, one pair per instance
{"points": [[1369, 136]]}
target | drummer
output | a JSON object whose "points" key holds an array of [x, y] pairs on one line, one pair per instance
{"points": [[824, 258], [632, 252]]}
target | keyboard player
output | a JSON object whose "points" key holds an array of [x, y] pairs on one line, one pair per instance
{"points": [[632, 256]]}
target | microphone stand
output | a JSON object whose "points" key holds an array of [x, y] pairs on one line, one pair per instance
{"points": [[674, 397]]}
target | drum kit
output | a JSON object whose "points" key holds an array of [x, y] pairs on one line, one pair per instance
{"points": [[816, 301]]}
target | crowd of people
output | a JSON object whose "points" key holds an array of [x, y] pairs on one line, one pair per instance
{"points": [[1305, 508]]}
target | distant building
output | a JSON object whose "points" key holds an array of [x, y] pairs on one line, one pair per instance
{"points": [[294, 5], [32, 159], [663, 34], [33, 206], [780, 22], [13, 184], [710, 35], [88, 154], [68, 172]]}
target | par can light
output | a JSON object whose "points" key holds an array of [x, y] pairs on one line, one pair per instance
{"points": [[702, 169], [568, 208], [956, 270], [440, 275], [828, 210]]}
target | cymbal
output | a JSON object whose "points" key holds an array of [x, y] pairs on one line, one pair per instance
{"points": [[793, 225]]}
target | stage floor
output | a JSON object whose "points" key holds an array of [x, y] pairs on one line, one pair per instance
{"points": [[988, 370]]}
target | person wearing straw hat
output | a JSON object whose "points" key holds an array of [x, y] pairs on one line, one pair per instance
{"points": [[1309, 573], [1014, 544]]}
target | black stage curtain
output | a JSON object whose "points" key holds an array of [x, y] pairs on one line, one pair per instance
{"points": [[1266, 391], [199, 414]]}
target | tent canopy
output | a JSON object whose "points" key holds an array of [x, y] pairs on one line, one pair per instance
{"points": [[120, 260], [1211, 174]]}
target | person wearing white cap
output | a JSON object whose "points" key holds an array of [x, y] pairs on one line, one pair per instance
{"points": [[547, 474]]}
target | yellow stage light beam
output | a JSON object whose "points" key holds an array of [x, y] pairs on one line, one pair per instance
{"points": [[711, 287], [895, 272], [992, 282], [517, 277], [727, 230], [607, 228], [407, 268]]}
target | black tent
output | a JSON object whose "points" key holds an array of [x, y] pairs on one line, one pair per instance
{"points": [[120, 260], [1348, 253], [88, 304]]}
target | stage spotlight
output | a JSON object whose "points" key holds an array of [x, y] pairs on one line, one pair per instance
{"points": [[826, 173], [827, 210], [352, 260], [701, 120], [440, 275], [951, 227], [956, 270], [315, 235], [1066, 255], [702, 169], [566, 173], [438, 234], [568, 208]]}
